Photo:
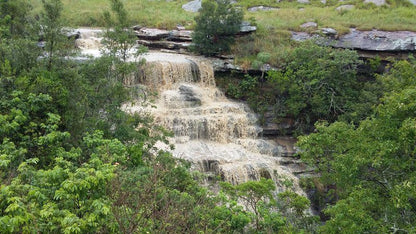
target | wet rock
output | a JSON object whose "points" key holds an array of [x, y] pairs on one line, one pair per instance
{"points": [[309, 25], [72, 33], [303, 1], [345, 8], [376, 2], [261, 8], [189, 95], [192, 6]]}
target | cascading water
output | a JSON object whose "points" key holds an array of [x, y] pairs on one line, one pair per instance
{"points": [[218, 136]]}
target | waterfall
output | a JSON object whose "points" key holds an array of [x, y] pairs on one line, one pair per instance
{"points": [[217, 135]]}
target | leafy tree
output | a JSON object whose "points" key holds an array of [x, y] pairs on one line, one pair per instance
{"points": [[371, 166], [317, 83], [18, 35], [120, 42], [57, 45], [216, 25]]}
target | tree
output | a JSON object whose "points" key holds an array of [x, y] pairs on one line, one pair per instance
{"points": [[120, 42], [318, 83], [18, 35], [216, 25], [57, 45], [371, 167]]}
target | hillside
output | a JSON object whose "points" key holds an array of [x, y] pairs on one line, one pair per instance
{"points": [[274, 19]]}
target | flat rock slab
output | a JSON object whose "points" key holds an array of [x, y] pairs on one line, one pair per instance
{"points": [[180, 35], [171, 45], [383, 41], [309, 25], [152, 33], [261, 8], [345, 8], [192, 6]]}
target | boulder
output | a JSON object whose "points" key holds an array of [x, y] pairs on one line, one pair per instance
{"points": [[309, 25], [329, 31], [303, 1], [246, 28], [189, 96], [72, 33], [345, 8], [192, 6]]}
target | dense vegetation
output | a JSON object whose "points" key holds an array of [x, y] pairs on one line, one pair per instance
{"points": [[73, 162]]}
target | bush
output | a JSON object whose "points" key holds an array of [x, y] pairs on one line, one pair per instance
{"points": [[216, 25]]}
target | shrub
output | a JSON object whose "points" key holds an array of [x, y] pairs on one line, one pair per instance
{"points": [[217, 23]]}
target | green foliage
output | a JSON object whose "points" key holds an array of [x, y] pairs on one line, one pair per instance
{"points": [[57, 44], [216, 25], [268, 213], [14, 17], [319, 83], [371, 166]]}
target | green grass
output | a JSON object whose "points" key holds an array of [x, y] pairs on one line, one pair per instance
{"points": [[152, 13], [273, 26], [166, 14]]}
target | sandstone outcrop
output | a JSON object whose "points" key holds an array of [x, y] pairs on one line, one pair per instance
{"points": [[375, 40]]}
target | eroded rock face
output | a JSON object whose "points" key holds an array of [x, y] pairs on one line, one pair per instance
{"points": [[382, 41]]}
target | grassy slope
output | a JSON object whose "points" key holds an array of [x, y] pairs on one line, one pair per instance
{"points": [[273, 26]]}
